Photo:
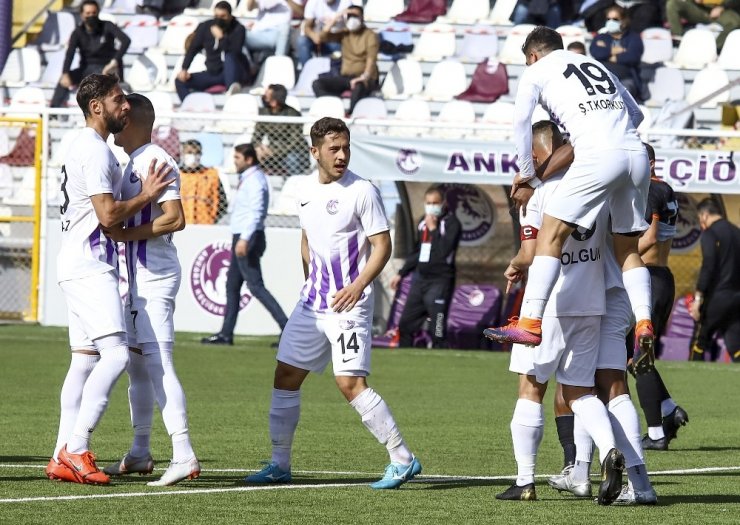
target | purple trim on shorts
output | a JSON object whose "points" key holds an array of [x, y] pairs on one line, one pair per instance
{"points": [[354, 255]]}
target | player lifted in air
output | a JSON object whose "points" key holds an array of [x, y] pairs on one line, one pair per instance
{"points": [[344, 247]]}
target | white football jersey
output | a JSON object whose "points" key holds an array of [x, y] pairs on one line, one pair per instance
{"points": [[338, 218], [612, 270], [90, 168], [579, 290], [156, 258], [583, 97]]}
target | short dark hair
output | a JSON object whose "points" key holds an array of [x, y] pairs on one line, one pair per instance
{"points": [[279, 93], [94, 87], [577, 45], [141, 110], [542, 38], [357, 8], [710, 206], [247, 150], [436, 188], [549, 127], [327, 126], [223, 6], [193, 144], [89, 2], [650, 151]]}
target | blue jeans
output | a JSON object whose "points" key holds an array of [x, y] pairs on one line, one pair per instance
{"points": [[234, 70], [551, 19], [306, 48], [268, 39], [248, 269]]}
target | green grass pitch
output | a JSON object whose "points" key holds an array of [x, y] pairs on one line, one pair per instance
{"points": [[453, 408]]}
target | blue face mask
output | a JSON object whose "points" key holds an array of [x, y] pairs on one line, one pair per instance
{"points": [[613, 26], [433, 209]]}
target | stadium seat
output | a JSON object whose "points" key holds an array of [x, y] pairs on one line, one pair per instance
{"points": [[124, 7], [107, 16], [371, 108], [658, 45], [458, 115], [396, 40], [243, 105], [148, 71], [22, 67], [466, 12], [501, 12], [328, 106], [697, 49], [422, 11], [572, 34], [56, 31], [668, 84], [411, 110], [277, 70], [707, 81], [60, 149], [28, 98], [498, 114], [143, 30], [24, 186], [473, 308], [198, 64], [178, 29], [490, 81], [167, 138], [446, 81], [479, 43], [198, 103], [6, 191], [310, 72], [286, 202], [213, 149], [647, 119], [403, 80], [729, 57], [53, 71], [294, 102], [511, 53], [382, 10], [437, 41]]}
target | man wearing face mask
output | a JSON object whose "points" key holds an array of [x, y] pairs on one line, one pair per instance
{"points": [[316, 16], [201, 192], [96, 42], [359, 69], [222, 40], [433, 264]]}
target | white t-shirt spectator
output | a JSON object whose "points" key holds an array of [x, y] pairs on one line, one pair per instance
{"points": [[323, 13], [272, 13]]}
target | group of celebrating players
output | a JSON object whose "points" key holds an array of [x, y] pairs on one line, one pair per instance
{"points": [[573, 195]]}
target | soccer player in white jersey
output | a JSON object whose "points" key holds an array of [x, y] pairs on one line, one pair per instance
{"points": [[569, 348], [88, 275], [345, 245], [610, 171], [154, 278]]}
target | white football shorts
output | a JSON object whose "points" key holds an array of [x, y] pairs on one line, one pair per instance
{"points": [[150, 311], [569, 350], [615, 325], [94, 307], [616, 178], [521, 360], [310, 340]]}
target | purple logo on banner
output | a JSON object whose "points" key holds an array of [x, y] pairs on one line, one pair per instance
{"points": [[208, 278], [474, 210], [688, 230], [408, 161]]}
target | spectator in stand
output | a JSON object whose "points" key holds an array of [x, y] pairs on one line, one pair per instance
{"points": [[222, 40], [359, 70], [96, 42], [620, 49], [539, 12], [281, 148], [201, 192], [317, 15], [726, 13], [642, 13], [577, 47], [270, 33]]}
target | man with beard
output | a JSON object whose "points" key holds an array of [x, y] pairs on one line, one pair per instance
{"points": [[88, 275]]}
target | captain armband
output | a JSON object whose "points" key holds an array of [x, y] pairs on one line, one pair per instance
{"points": [[527, 233]]}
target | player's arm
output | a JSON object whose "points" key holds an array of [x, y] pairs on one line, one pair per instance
{"points": [[172, 220], [633, 109], [304, 253], [560, 160], [649, 238], [346, 298], [111, 212], [526, 100]]}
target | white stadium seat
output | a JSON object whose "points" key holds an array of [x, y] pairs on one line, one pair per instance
{"points": [[479, 43], [572, 34], [466, 11], [412, 110], [143, 30], [310, 72], [729, 57], [382, 10], [243, 105], [697, 49], [403, 80], [658, 45], [459, 114], [278, 70], [178, 29], [446, 80], [707, 81], [148, 71], [501, 12], [437, 41], [511, 53], [22, 67], [668, 84], [499, 114], [57, 29]]}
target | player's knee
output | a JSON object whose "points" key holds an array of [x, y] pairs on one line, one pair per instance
{"points": [[351, 386]]}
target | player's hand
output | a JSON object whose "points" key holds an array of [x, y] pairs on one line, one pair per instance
{"points": [[521, 197], [514, 275], [241, 248], [183, 75], [157, 180], [116, 232], [395, 282], [346, 298], [694, 310], [431, 222]]}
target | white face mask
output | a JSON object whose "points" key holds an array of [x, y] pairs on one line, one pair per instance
{"points": [[613, 26], [353, 23], [191, 160], [433, 209]]}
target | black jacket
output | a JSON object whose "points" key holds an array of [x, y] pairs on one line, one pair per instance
{"points": [[720, 266], [232, 42], [97, 47], [445, 240]]}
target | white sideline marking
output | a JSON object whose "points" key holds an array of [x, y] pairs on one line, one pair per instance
{"points": [[445, 477]]}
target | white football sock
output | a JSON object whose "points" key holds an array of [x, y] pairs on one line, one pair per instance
{"points": [[80, 366], [527, 429], [542, 277], [656, 433], [637, 284], [141, 404], [285, 411], [170, 398], [626, 428], [584, 452], [667, 406], [377, 418], [595, 420], [113, 361]]}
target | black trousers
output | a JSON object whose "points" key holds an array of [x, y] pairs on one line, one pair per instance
{"points": [[663, 289], [427, 298], [720, 313], [336, 85]]}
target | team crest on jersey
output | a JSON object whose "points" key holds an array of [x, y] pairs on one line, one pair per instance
{"points": [[208, 278], [582, 234], [332, 207], [473, 208], [347, 324], [408, 161], [134, 177], [688, 229]]}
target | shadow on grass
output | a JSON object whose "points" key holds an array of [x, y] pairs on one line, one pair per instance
{"points": [[694, 499], [707, 449], [447, 484], [24, 459]]}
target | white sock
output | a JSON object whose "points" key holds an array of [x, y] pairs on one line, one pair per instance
{"points": [[377, 418], [637, 283], [667, 406], [595, 420], [285, 411], [80, 366], [527, 429], [656, 433], [141, 404], [542, 277], [113, 361], [584, 452], [170, 398], [626, 428]]}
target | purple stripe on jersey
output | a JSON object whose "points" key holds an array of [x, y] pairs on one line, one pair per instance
{"points": [[146, 217], [324, 290], [312, 280], [110, 252], [354, 255], [94, 239], [336, 269]]}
